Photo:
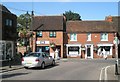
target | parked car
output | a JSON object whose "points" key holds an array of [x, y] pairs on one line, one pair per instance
{"points": [[37, 59]]}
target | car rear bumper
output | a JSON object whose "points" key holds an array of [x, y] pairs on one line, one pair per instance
{"points": [[31, 65]]}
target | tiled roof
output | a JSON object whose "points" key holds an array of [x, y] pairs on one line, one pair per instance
{"points": [[4, 9], [116, 20], [47, 23], [90, 26]]}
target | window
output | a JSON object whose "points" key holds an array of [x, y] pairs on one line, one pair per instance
{"points": [[89, 37], [52, 34], [73, 37], [39, 34], [104, 37], [8, 22]]}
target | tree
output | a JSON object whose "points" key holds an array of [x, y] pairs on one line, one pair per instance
{"points": [[71, 15], [23, 29]]}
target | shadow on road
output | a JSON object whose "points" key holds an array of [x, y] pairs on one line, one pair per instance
{"points": [[12, 75], [47, 67]]}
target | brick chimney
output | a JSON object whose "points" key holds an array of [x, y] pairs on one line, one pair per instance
{"points": [[108, 18]]}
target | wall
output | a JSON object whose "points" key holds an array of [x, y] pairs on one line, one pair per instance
{"points": [[82, 39], [58, 40]]}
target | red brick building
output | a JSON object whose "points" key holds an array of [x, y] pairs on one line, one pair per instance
{"points": [[82, 39], [89, 39], [48, 34]]}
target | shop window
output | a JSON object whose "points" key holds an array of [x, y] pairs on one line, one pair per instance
{"points": [[104, 37], [73, 37], [73, 50], [39, 34], [52, 34], [42, 49]]}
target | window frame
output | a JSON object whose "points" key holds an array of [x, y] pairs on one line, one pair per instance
{"points": [[9, 22], [88, 37], [52, 34], [40, 33], [74, 37], [105, 35]]}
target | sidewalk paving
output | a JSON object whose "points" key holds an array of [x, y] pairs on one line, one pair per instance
{"points": [[7, 68]]}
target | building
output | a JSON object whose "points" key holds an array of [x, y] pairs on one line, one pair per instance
{"points": [[48, 34], [8, 34], [79, 39], [89, 39]]}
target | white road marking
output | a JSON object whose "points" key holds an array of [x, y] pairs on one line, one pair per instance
{"points": [[106, 72], [101, 73]]}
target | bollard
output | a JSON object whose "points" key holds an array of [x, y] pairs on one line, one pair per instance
{"points": [[116, 69], [9, 62]]}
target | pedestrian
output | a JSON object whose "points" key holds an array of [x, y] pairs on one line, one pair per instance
{"points": [[104, 54]]}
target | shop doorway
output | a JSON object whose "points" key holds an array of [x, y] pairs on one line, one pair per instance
{"points": [[59, 50], [89, 51]]}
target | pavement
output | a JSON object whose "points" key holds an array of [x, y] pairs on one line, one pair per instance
{"points": [[107, 73]]}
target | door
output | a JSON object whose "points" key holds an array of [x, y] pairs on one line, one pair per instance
{"points": [[89, 51]]}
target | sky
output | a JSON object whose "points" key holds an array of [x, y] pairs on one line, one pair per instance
{"points": [[87, 10]]}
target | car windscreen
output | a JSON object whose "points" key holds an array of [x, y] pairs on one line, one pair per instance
{"points": [[33, 55]]}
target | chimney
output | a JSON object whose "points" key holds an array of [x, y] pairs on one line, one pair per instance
{"points": [[108, 18]]}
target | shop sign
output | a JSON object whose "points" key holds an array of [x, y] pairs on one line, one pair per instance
{"points": [[42, 42]]}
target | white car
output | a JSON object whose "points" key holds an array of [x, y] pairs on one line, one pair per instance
{"points": [[37, 59]]}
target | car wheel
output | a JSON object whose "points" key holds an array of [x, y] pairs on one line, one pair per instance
{"points": [[53, 63], [43, 65], [26, 67]]}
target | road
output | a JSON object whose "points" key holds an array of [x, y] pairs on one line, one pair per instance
{"points": [[73, 69]]}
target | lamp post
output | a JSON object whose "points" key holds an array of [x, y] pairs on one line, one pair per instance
{"points": [[26, 38], [116, 42]]}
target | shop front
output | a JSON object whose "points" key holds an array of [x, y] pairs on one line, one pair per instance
{"points": [[73, 50], [105, 50], [89, 51]]}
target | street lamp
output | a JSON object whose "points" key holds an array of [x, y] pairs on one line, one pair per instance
{"points": [[26, 38]]}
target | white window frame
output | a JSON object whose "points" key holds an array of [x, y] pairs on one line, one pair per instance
{"points": [[88, 36], [104, 35], [40, 33], [74, 36], [8, 22]]}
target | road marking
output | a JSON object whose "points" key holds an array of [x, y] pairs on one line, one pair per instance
{"points": [[106, 72], [101, 73]]}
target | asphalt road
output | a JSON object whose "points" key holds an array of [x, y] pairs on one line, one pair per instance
{"points": [[71, 69]]}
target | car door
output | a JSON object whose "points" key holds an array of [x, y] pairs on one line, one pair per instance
{"points": [[45, 59], [49, 59]]}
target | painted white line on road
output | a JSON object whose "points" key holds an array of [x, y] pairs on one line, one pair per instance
{"points": [[106, 72], [101, 73]]}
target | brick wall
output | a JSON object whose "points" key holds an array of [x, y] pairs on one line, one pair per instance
{"points": [[58, 40], [95, 39]]}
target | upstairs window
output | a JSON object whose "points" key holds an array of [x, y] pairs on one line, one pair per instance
{"points": [[39, 34], [8, 22], [73, 37], [52, 34], [89, 37], [104, 37]]}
